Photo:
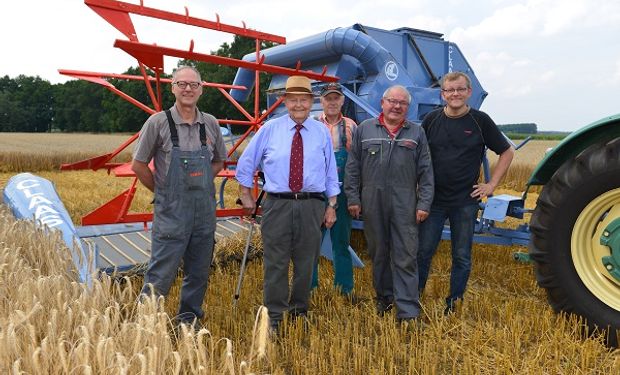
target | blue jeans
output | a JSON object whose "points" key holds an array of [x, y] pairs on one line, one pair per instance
{"points": [[462, 222]]}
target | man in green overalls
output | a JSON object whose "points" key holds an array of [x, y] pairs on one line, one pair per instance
{"points": [[188, 151], [341, 130]]}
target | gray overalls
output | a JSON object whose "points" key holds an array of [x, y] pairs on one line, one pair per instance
{"points": [[391, 178], [184, 226]]}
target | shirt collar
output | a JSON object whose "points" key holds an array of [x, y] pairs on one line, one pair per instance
{"points": [[292, 123], [404, 124], [176, 116], [324, 119]]}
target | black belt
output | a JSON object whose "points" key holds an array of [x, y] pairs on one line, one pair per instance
{"points": [[301, 195]]}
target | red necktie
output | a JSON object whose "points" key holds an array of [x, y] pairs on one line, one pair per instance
{"points": [[296, 172]]}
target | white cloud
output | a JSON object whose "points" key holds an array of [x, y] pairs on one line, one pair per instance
{"points": [[561, 15], [615, 79], [540, 18], [547, 76], [323, 15], [506, 76], [518, 90], [431, 23], [499, 63], [514, 20], [522, 62], [593, 13]]}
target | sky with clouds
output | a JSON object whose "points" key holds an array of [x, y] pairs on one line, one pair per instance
{"points": [[552, 62]]}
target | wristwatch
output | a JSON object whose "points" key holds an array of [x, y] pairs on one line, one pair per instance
{"points": [[334, 206]]}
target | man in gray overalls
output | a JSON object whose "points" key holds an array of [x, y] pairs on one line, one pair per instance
{"points": [[389, 178], [188, 151]]}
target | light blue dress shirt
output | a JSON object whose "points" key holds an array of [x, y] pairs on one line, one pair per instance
{"points": [[270, 151]]}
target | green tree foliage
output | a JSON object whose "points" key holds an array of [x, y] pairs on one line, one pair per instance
{"points": [[26, 104], [78, 107], [31, 104], [524, 128], [212, 100], [12, 117], [122, 116]]}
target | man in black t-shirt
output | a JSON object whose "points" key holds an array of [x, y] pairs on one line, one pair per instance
{"points": [[457, 136]]}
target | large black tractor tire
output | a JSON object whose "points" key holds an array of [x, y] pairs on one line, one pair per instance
{"points": [[574, 207]]}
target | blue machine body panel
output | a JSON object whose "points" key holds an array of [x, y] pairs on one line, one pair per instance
{"points": [[368, 60], [326, 251], [29, 196], [499, 206]]}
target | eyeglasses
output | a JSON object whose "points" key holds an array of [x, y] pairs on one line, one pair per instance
{"points": [[394, 102], [183, 85], [460, 90]]}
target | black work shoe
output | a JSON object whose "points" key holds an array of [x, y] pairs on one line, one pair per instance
{"points": [[274, 328], [295, 314], [383, 307], [299, 316], [450, 308]]}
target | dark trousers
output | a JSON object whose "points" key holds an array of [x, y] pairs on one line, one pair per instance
{"points": [[392, 236], [291, 232], [462, 222]]}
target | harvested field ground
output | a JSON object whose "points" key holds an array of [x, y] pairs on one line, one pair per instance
{"points": [[51, 325]]}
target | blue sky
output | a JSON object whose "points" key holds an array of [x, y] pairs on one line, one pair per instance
{"points": [[552, 62]]}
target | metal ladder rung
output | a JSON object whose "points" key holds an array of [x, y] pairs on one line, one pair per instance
{"points": [[91, 246], [238, 225], [118, 250], [123, 236], [144, 237], [227, 229]]}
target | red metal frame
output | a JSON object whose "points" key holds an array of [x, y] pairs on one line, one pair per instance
{"points": [[151, 57]]}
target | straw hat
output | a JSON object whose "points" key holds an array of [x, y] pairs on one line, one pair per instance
{"points": [[298, 85]]}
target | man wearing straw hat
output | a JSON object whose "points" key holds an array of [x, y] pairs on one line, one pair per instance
{"points": [[296, 155]]}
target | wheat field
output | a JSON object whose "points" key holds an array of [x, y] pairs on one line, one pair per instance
{"points": [[50, 324]]}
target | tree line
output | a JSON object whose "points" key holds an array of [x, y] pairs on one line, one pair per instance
{"points": [[32, 104], [522, 128]]}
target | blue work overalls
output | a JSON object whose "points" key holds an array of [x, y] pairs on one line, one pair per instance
{"points": [[184, 226], [340, 232]]}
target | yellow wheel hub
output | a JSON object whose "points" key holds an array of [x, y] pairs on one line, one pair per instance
{"points": [[587, 251]]}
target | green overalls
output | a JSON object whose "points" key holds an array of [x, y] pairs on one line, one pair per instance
{"points": [[340, 232]]}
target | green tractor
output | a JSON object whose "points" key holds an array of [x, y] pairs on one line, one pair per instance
{"points": [[575, 227]]}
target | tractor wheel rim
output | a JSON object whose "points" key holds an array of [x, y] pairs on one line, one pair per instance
{"points": [[587, 251]]}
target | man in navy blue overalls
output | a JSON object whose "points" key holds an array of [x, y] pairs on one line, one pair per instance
{"points": [[188, 151]]}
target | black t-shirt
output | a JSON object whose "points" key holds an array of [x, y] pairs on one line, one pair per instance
{"points": [[457, 146]]}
